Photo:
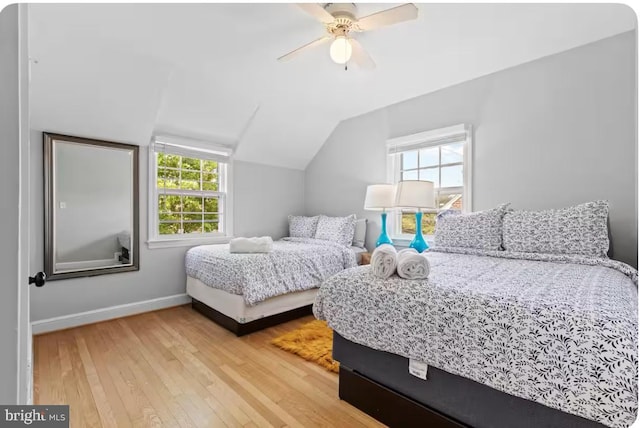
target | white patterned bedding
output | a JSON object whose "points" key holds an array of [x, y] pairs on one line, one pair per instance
{"points": [[562, 333], [295, 264]]}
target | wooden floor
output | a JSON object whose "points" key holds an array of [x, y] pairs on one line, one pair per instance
{"points": [[177, 368]]}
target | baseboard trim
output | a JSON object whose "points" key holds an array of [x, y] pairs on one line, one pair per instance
{"points": [[104, 314]]}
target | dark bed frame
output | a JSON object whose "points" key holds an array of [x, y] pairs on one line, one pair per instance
{"points": [[387, 405], [378, 383], [240, 329]]}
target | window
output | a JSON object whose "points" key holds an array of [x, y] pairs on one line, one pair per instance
{"points": [[442, 156], [189, 191]]}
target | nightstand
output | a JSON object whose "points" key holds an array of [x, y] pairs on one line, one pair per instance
{"points": [[365, 258]]}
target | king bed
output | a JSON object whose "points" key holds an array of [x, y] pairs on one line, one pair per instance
{"points": [[508, 338]]}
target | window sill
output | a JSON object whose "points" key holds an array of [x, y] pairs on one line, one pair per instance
{"points": [[187, 242], [404, 241]]}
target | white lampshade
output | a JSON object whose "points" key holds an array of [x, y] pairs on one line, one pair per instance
{"points": [[379, 196], [415, 194], [340, 50]]}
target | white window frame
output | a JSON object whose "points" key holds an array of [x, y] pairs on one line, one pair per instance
{"points": [[461, 133], [200, 150]]}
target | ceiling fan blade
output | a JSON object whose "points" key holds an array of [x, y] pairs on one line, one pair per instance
{"points": [[309, 45], [391, 16], [317, 11], [360, 56]]}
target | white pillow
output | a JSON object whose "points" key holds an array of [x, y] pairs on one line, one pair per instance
{"points": [[360, 233], [336, 229]]}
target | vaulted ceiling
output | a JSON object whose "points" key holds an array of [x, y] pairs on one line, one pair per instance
{"points": [[123, 72]]}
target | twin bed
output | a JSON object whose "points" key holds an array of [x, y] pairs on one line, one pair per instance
{"points": [[248, 292]]}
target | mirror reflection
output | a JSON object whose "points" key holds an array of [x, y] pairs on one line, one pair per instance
{"points": [[92, 206]]}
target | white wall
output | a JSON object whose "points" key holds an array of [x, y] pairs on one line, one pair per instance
{"points": [[264, 196], [95, 185], [548, 134], [9, 165], [161, 270]]}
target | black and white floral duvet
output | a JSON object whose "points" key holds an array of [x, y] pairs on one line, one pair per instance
{"points": [[295, 264], [558, 330]]}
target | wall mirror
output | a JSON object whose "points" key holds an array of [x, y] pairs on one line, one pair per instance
{"points": [[91, 207]]}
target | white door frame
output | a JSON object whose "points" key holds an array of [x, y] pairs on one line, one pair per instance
{"points": [[25, 337]]}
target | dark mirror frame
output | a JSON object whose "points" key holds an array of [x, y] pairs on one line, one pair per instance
{"points": [[49, 261]]}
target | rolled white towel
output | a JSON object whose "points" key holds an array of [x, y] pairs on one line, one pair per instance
{"points": [[413, 265], [384, 261], [263, 244]]}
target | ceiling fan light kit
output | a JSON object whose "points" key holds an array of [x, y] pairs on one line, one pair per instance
{"points": [[341, 50], [340, 22]]}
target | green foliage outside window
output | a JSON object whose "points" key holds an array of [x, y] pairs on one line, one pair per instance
{"points": [[187, 213], [428, 223]]}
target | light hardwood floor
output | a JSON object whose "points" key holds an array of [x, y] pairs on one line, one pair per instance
{"points": [[177, 368]]}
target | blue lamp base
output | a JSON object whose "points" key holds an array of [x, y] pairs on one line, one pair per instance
{"points": [[418, 243], [384, 238]]}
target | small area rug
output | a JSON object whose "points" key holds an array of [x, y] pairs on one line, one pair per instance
{"points": [[313, 342]]}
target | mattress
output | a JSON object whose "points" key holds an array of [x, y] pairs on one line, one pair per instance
{"points": [[294, 264], [233, 305]]}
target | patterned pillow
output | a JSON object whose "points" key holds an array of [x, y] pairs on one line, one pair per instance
{"points": [[482, 229], [302, 227], [336, 229], [576, 230], [360, 233]]}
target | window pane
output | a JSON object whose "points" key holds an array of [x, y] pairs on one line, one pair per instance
{"points": [[409, 160], [408, 223], [209, 166], [428, 223], [210, 185], [452, 153], [191, 163], [191, 175], [168, 160], [211, 205], [190, 185], [211, 217], [192, 204], [429, 157], [168, 173], [430, 174], [452, 176], [211, 227], [166, 207], [450, 201], [193, 228], [169, 228], [170, 203], [168, 178], [410, 175]]}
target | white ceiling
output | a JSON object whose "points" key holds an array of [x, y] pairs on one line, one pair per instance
{"points": [[124, 72]]}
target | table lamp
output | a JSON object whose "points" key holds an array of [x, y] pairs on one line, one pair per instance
{"points": [[380, 197], [419, 195]]}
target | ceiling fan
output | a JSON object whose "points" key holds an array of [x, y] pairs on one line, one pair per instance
{"points": [[340, 21]]}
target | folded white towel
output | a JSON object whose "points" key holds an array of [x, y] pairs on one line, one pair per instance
{"points": [[413, 265], [263, 244], [383, 261]]}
